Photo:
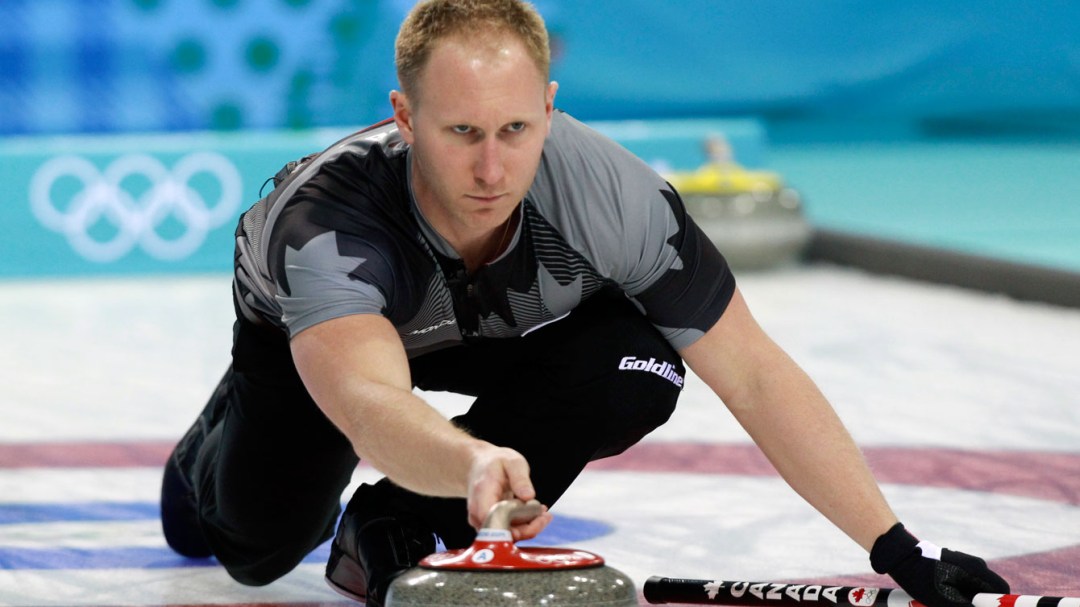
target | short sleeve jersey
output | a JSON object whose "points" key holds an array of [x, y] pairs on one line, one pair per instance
{"points": [[341, 234]]}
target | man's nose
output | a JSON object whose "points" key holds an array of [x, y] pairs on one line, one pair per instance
{"points": [[489, 168]]}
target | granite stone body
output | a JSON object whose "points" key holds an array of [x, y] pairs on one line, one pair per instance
{"points": [[589, 587]]}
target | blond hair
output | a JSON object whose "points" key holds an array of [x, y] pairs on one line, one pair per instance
{"points": [[432, 20]]}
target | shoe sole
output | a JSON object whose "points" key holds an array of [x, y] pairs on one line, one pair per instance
{"points": [[342, 569]]}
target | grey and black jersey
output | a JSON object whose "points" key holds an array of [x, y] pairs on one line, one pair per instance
{"points": [[341, 234]]}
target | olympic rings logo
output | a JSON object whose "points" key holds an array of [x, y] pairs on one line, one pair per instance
{"points": [[135, 196]]}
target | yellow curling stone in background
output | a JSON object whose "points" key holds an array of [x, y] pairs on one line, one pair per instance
{"points": [[755, 220]]}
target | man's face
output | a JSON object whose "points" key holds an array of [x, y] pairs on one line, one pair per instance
{"points": [[477, 127]]}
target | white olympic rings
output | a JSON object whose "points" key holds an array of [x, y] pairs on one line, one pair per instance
{"points": [[133, 212]]}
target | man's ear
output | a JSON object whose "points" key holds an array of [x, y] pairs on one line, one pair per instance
{"points": [[402, 115], [549, 101]]}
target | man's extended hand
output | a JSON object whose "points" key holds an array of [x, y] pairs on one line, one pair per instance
{"points": [[936, 577], [497, 474]]}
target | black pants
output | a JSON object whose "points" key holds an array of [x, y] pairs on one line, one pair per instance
{"points": [[270, 474]]}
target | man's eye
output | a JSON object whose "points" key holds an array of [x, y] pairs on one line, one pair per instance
{"points": [[461, 129], [515, 127]]}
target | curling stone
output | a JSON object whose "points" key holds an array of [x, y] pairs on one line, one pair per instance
{"points": [[496, 572], [753, 217]]}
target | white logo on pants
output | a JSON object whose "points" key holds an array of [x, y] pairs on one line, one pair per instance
{"points": [[663, 369]]}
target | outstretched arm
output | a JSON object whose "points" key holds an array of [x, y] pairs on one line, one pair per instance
{"points": [[356, 369], [791, 421], [797, 429]]}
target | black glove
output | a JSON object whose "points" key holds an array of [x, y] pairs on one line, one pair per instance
{"points": [[936, 577]]}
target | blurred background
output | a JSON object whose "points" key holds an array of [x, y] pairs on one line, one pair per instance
{"points": [[931, 139], [133, 132]]}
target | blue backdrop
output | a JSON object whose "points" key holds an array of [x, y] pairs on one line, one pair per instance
{"points": [[135, 65], [81, 81]]}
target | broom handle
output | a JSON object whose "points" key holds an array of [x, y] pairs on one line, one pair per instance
{"points": [[660, 590]]}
